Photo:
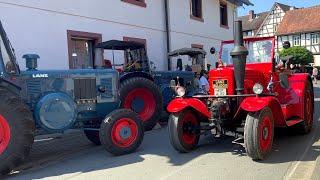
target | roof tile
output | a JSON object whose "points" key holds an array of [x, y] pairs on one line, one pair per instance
{"points": [[300, 20]]}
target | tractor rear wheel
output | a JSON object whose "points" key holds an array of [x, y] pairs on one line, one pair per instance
{"points": [[16, 131], [258, 134], [121, 132], [143, 97], [93, 136], [306, 126], [183, 133]]}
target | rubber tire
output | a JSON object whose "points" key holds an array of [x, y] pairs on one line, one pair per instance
{"points": [[138, 82], [93, 136], [106, 128], [22, 130], [304, 128], [174, 126], [251, 134]]}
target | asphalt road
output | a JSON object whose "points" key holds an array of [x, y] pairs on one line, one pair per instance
{"points": [[73, 157]]}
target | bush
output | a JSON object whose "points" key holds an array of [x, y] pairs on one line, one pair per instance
{"points": [[300, 55]]}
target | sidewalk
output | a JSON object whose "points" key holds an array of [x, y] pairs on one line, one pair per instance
{"points": [[316, 172]]}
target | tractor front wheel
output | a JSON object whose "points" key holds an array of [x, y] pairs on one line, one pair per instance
{"points": [[143, 97], [183, 132], [121, 132], [16, 131], [258, 134]]}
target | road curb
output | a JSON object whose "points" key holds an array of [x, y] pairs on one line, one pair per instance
{"points": [[316, 171]]}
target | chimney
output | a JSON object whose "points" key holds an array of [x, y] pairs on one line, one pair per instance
{"points": [[251, 15]]}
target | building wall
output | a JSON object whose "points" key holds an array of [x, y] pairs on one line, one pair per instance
{"points": [[186, 31], [41, 27], [305, 41]]}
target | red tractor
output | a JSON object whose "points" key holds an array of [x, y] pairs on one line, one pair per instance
{"points": [[250, 95]]}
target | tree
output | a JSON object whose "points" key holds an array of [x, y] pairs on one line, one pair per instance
{"points": [[300, 55]]}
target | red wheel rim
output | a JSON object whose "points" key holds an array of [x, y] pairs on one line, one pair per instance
{"points": [[265, 130], [124, 132], [189, 121], [309, 109], [149, 102], [4, 134]]}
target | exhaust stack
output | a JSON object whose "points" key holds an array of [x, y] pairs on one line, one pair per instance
{"points": [[239, 57]]}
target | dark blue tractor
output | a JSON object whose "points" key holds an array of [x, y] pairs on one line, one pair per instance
{"points": [[37, 102], [142, 88]]}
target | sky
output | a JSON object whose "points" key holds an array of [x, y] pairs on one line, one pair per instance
{"points": [[265, 5]]}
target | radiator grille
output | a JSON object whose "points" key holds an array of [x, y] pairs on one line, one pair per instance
{"points": [[33, 88], [85, 89]]}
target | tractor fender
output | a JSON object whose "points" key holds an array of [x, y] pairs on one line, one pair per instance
{"points": [[129, 75], [255, 104], [180, 104], [298, 83]]}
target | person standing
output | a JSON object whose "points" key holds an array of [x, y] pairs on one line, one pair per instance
{"points": [[196, 82], [204, 84], [315, 74]]}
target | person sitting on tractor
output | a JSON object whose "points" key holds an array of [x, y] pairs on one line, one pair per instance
{"points": [[204, 84]]}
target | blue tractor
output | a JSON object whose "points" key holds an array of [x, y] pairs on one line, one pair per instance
{"points": [[35, 102]]}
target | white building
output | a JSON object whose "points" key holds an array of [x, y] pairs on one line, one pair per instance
{"points": [[63, 32]]}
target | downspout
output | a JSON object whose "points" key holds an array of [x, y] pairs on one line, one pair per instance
{"points": [[168, 36]]}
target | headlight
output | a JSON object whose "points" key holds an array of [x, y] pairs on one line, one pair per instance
{"points": [[258, 88], [180, 91]]}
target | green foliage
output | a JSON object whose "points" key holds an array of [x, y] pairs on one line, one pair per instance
{"points": [[300, 55]]}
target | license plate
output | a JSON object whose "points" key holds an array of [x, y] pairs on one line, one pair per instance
{"points": [[220, 87], [220, 84]]}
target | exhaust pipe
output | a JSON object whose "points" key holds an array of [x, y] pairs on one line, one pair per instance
{"points": [[239, 57]]}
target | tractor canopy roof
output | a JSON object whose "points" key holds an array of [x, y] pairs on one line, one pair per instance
{"points": [[187, 52], [120, 45]]}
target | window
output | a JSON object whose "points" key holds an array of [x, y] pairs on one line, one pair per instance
{"points": [[223, 15], [141, 3], [296, 40], [196, 10], [81, 49], [247, 33], [139, 40], [314, 39]]}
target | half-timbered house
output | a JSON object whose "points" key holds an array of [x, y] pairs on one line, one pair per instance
{"points": [[301, 27]]}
